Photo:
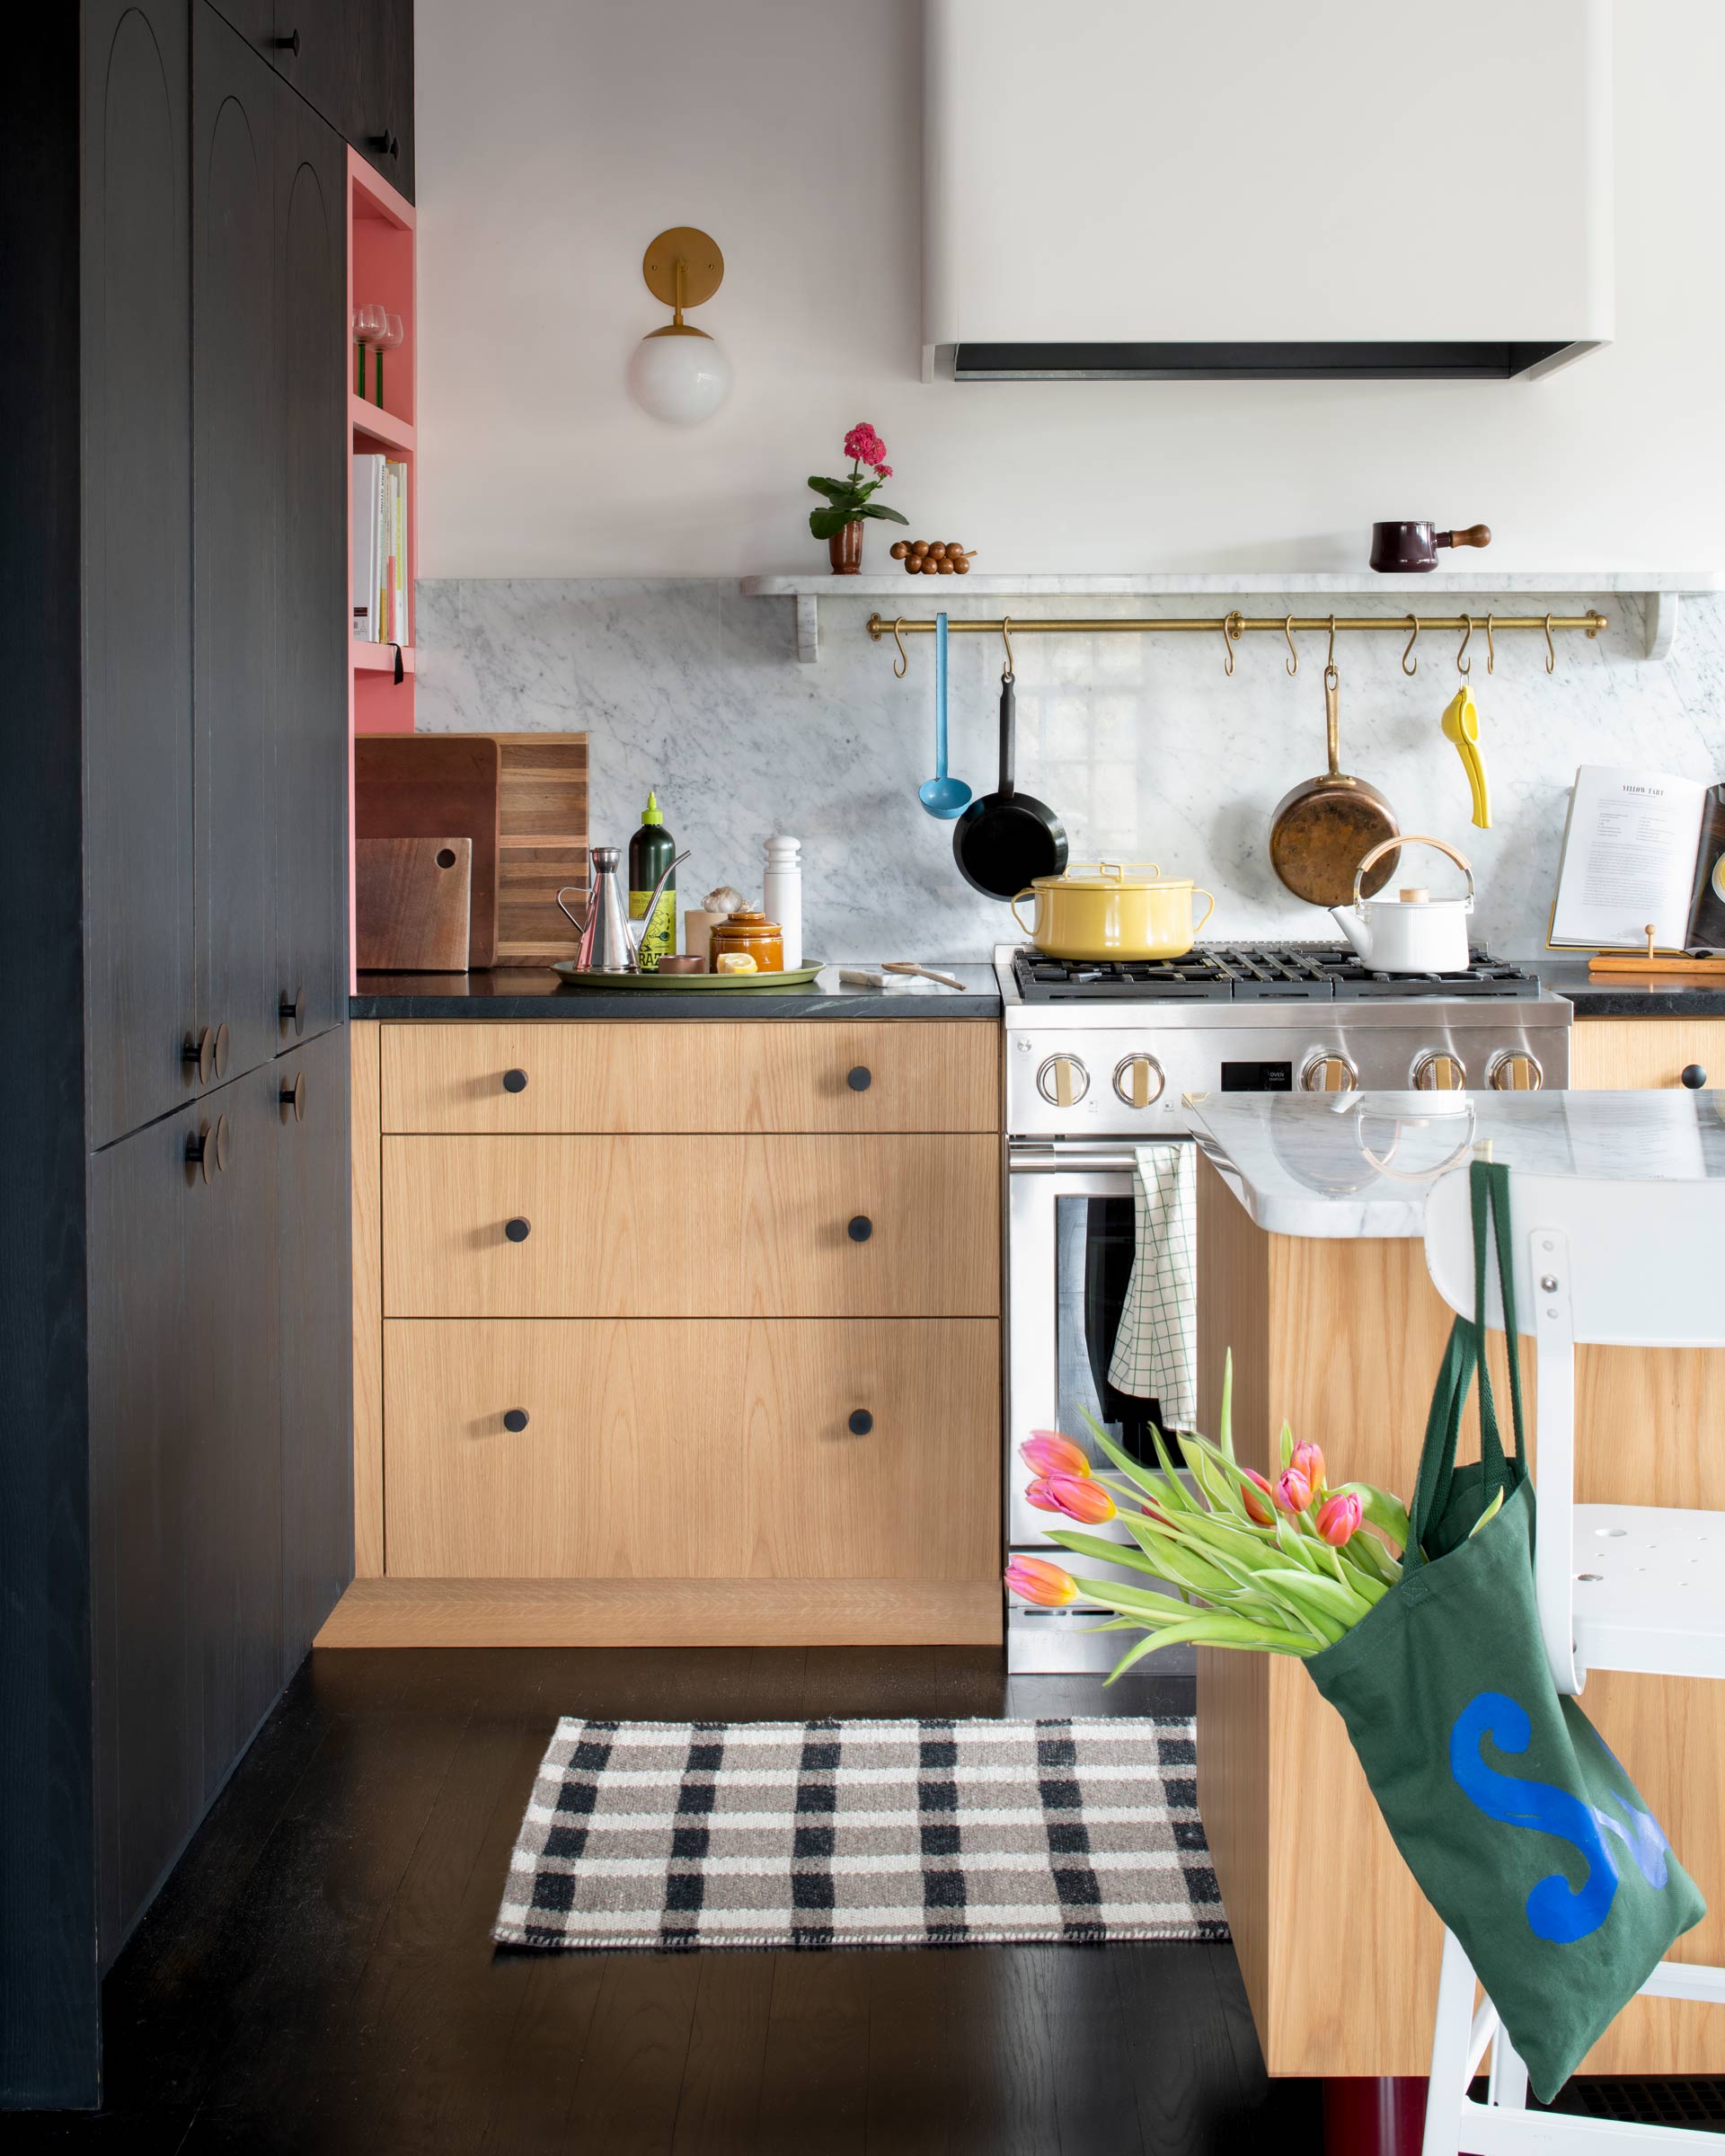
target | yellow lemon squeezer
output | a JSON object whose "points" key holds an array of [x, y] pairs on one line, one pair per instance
{"points": [[1462, 726]]}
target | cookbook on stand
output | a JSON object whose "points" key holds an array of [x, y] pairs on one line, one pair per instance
{"points": [[1640, 847]]}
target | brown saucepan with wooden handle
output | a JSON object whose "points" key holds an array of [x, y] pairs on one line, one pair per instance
{"points": [[1323, 830]]}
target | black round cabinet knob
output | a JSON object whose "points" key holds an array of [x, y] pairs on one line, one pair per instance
{"points": [[862, 1422], [860, 1228], [859, 1079], [293, 1099], [208, 1152], [288, 44], [516, 1419], [199, 1052], [1694, 1076], [515, 1082], [291, 1011], [221, 1049], [518, 1229]]}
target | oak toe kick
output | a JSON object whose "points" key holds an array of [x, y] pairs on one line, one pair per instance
{"points": [[665, 1612]]}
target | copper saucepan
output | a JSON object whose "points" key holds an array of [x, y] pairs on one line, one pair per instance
{"points": [[1323, 829]]}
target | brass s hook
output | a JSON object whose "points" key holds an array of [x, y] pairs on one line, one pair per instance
{"points": [[1292, 662], [1409, 664], [1233, 624], [901, 666], [1463, 664], [1491, 646], [1551, 648], [1329, 663], [1007, 672]]}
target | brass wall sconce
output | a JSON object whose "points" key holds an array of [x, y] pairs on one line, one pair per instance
{"points": [[677, 373]]}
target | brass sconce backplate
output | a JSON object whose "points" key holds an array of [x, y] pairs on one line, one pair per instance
{"points": [[703, 267]]}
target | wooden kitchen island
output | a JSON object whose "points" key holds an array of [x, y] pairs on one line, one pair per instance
{"points": [[1334, 1324]]}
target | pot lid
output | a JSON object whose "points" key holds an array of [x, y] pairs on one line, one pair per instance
{"points": [[1112, 876]]}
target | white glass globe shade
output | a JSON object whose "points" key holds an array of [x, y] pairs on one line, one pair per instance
{"points": [[681, 378]]}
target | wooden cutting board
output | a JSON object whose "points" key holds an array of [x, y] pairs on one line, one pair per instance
{"points": [[411, 904], [436, 786]]}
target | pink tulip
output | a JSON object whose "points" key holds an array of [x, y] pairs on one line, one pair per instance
{"points": [[1256, 1508], [1079, 1497], [1293, 1492], [1338, 1519], [1035, 1579], [1050, 1452], [1307, 1460]]}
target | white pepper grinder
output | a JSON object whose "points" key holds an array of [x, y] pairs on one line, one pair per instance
{"points": [[782, 895]]}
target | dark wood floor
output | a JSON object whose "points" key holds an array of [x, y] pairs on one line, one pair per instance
{"points": [[317, 1976]]}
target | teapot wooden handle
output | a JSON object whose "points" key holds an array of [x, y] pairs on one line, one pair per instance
{"points": [[1412, 838], [1476, 535]]}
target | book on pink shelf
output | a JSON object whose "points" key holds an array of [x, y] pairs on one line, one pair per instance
{"points": [[1641, 848]]}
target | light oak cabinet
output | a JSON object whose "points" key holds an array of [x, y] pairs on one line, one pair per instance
{"points": [[1625, 1053], [676, 1333]]}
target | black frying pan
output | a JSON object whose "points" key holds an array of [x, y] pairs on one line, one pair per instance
{"points": [[1007, 837]]}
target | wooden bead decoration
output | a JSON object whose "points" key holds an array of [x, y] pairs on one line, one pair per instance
{"points": [[933, 557]]}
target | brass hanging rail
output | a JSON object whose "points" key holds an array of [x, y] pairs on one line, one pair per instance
{"points": [[1235, 625]]}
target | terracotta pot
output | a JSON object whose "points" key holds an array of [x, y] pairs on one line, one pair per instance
{"points": [[844, 549], [753, 932]]}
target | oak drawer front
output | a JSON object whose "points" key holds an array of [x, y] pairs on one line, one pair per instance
{"points": [[804, 1227], [1619, 1053], [692, 1076], [708, 1449]]}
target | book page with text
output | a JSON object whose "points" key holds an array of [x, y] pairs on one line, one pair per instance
{"points": [[1628, 858]]}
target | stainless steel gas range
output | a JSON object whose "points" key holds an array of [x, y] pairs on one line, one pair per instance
{"points": [[1102, 1059]]}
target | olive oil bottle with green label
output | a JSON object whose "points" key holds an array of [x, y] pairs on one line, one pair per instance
{"points": [[651, 851]]}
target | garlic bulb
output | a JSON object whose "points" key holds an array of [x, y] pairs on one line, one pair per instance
{"points": [[723, 900]]}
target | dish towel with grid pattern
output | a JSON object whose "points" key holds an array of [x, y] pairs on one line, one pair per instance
{"points": [[1155, 1349]]}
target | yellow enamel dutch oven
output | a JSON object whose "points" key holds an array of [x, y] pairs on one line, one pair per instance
{"points": [[1108, 909]]}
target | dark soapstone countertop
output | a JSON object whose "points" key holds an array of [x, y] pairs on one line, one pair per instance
{"points": [[533, 992], [1622, 994]]}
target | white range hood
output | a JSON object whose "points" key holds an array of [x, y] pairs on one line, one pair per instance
{"points": [[1139, 189]]}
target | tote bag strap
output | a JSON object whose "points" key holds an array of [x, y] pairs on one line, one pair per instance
{"points": [[1464, 1358]]}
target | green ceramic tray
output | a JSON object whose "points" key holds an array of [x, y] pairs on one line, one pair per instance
{"points": [[575, 976]]}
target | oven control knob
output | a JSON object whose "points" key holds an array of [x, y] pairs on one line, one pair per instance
{"points": [[1436, 1072], [1062, 1081], [1514, 1071], [1329, 1074], [1138, 1080]]}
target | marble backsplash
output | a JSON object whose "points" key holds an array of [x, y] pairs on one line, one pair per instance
{"points": [[1142, 745]]}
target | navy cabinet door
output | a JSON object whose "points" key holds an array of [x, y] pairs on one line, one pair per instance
{"points": [[309, 724], [146, 1201], [235, 564], [317, 1325], [232, 1373], [138, 869]]}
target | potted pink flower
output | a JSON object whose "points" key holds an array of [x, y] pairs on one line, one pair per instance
{"points": [[848, 501]]}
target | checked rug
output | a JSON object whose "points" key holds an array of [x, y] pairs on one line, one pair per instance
{"points": [[675, 1836]]}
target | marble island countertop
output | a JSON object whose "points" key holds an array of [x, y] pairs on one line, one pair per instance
{"points": [[1359, 1164], [537, 992]]}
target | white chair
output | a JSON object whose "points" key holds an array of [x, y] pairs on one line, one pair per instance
{"points": [[1619, 1586]]}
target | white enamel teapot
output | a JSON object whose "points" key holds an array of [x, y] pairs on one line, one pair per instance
{"points": [[1412, 932]]}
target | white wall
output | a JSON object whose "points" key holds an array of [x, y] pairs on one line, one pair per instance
{"points": [[556, 136]]}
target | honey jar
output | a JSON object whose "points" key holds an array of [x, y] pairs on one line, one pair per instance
{"points": [[753, 932]]}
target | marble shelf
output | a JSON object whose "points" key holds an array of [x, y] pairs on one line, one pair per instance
{"points": [[1658, 591]]}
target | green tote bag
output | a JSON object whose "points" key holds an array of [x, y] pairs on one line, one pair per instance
{"points": [[1521, 1828]]}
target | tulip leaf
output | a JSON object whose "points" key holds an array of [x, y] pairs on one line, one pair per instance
{"points": [[1332, 1598], [1146, 1479], [1214, 1629], [1382, 1511], [1225, 1433], [1096, 1546], [1489, 1513]]}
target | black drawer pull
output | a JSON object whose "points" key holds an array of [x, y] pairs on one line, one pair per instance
{"points": [[515, 1082], [221, 1049], [861, 1423], [518, 1229], [293, 1098], [1694, 1076], [860, 1228], [291, 1011], [386, 146], [208, 1152], [288, 44], [199, 1053], [861, 1079], [516, 1419]]}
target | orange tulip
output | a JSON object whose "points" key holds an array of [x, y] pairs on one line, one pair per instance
{"points": [[1051, 1452], [1035, 1579], [1307, 1460], [1079, 1497], [1257, 1509], [1292, 1492], [1338, 1519]]}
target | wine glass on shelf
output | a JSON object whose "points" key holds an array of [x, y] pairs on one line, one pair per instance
{"points": [[369, 323], [394, 334]]}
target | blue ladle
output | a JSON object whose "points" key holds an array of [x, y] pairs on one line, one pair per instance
{"points": [[940, 795]]}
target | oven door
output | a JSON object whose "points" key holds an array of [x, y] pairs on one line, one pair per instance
{"points": [[1071, 1240]]}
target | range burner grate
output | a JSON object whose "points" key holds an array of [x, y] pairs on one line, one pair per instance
{"points": [[1280, 973]]}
